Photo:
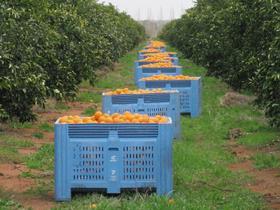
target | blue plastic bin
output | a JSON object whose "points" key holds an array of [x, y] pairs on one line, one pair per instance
{"points": [[112, 157], [142, 56], [175, 61], [166, 104], [190, 93], [140, 72]]}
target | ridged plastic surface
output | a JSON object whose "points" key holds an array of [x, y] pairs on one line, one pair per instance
{"points": [[190, 93], [140, 72], [112, 157], [167, 104]]}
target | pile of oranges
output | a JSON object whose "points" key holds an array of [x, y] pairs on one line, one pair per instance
{"points": [[156, 59], [126, 91], [156, 44], [168, 77], [102, 118], [150, 50], [162, 54], [159, 65]]}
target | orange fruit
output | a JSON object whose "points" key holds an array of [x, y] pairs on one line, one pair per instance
{"points": [[109, 120], [159, 65], [135, 121], [115, 115], [101, 118], [131, 92], [98, 115], [168, 77]]}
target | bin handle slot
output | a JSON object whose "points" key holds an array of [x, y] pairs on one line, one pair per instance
{"points": [[113, 149]]}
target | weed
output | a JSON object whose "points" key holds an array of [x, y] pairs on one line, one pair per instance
{"points": [[38, 135], [263, 160], [46, 127], [43, 159]]}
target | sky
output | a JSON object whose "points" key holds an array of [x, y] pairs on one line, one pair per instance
{"points": [[152, 9]]}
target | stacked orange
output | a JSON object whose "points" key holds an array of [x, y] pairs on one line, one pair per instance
{"points": [[150, 50], [156, 44], [156, 59], [102, 118], [168, 77], [164, 54], [159, 65], [126, 91]]}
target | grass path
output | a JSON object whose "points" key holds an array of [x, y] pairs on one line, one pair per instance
{"points": [[202, 158]]}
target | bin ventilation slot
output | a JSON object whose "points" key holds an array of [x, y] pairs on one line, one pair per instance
{"points": [[168, 70], [148, 98], [155, 84], [183, 84], [88, 163], [157, 111], [139, 163], [126, 131], [185, 100], [157, 98], [149, 71], [125, 99]]}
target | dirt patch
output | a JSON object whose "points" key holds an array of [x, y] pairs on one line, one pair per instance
{"points": [[16, 186], [10, 179], [266, 182], [37, 203], [234, 98], [27, 151]]}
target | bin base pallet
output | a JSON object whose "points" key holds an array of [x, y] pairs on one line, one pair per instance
{"points": [[73, 191]]}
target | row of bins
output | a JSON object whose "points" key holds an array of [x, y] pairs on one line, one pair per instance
{"points": [[117, 157]]}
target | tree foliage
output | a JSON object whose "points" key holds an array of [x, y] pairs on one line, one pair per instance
{"points": [[48, 47], [239, 42]]}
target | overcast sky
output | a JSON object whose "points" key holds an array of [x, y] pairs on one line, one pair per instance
{"points": [[152, 9]]}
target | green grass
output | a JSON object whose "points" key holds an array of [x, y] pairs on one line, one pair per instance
{"points": [[89, 111], [43, 159], [61, 106], [28, 174], [9, 146], [122, 76], [38, 135], [89, 96], [19, 125], [42, 189], [7, 202], [263, 161], [260, 137], [46, 127]]}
